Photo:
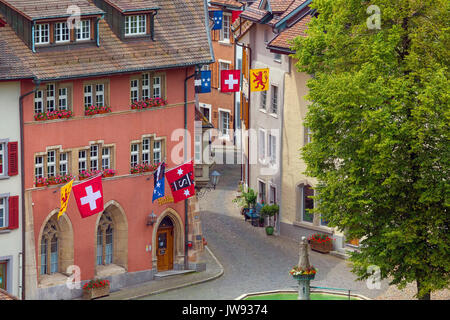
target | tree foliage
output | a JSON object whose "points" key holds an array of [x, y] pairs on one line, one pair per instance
{"points": [[379, 117]]}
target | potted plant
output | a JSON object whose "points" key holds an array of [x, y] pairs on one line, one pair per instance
{"points": [[321, 243], [108, 173], [95, 289], [267, 212], [245, 200], [303, 274], [41, 182]]}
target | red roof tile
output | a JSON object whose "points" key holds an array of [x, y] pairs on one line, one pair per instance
{"points": [[132, 5], [286, 36], [227, 3]]}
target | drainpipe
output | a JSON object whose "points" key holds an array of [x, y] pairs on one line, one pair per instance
{"points": [[186, 225], [97, 27], [33, 29], [37, 83], [248, 136]]}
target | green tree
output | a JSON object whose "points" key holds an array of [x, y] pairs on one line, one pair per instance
{"points": [[379, 117]]}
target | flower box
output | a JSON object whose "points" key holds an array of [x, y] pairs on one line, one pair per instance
{"points": [[141, 168], [299, 273], [93, 110], [321, 243], [148, 103], [40, 184], [52, 115], [96, 289]]}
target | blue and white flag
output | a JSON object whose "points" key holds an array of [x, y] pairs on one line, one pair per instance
{"points": [[218, 18], [203, 82], [159, 189]]}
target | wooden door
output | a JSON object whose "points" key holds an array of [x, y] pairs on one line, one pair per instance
{"points": [[164, 251], [3, 275]]}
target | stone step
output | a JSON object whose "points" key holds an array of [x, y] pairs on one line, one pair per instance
{"points": [[169, 273]]}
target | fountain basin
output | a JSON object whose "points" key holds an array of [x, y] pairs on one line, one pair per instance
{"points": [[293, 295]]}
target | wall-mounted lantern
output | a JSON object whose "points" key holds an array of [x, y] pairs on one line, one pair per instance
{"points": [[151, 219], [215, 178]]}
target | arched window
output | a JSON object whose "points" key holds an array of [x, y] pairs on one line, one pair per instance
{"points": [[105, 236], [49, 248]]}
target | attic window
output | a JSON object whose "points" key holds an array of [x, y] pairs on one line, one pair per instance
{"points": [[42, 33], [61, 32], [135, 25]]}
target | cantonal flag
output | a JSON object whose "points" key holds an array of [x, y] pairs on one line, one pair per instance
{"points": [[181, 181]]}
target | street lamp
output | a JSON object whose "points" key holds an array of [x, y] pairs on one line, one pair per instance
{"points": [[215, 178], [151, 219]]}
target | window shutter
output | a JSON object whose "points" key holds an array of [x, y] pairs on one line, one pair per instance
{"points": [[163, 86], [13, 159], [13, 212], [215, 75]]}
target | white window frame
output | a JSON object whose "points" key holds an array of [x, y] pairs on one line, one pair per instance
{"points": [[223, 62], [134, 153], [39, 101], [157, 87], [51, 96], [145, 86], [208, 107], [146, 150], [259, 190], [39, 166], [62, 98], [262, 145], [88, 95], [225, 34], [271, 148], [198, 148], [221, 123], [134, 90], [274, 187], [93, 157], [100, 94], [134, 25], [4, 210], [51, 154], [263, 98], [4, 158], [42, 33], [62, 32], [302, 201], [82, 160], [83, 31], [274, 99], [63, 162], [157, 150], [106, 158]]}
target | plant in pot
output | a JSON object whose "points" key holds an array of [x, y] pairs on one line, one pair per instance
{"points": [[95, 289], [321, 243], [269, 211], [245, 200]]}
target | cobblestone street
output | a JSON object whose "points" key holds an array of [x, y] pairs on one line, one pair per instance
{"points": [[252, 260]]}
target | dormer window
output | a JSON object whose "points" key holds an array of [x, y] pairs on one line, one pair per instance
{"points": [[61, 32], [83, 31], [42, 34], [135, 25]]}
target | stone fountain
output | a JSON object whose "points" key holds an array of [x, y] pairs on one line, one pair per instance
{"points": [[303, 264]]}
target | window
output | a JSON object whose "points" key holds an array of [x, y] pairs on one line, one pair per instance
{"points": [[223, 66], [157, 87], [135, 25], [39, 101], [82, 161], [49, 248], [94, 158], [63, 164], [272, 149], [261, 192], [95, 94], [224, 124], [277, 57], [88, 95], [61, 32], [62, 99], [2, 159], [51, 163], [83, 31], [105, 237], [308, 135], [106, 158], [100, 94], [51, 97], [307, 203], [225, 31], [39, 167], [262, 144], [274, 103], [157, 151], [273, 194], [3, 215], [198, 148], [3, 275], [145, 86], [263, 100], [206, 110], [146, 150], [134, 154], [134, 90], [41, 34]]}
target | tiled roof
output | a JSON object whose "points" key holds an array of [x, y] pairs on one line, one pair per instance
{"points": [[132, 5], [283, 39], [6, 296], [180, 39], [34, 10], [293, 5], [228, 3], [279, 5], [253, 13]]}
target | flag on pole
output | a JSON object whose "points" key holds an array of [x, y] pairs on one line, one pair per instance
{"points": [[235, 15], [158, 182], [203, 82], [65, 194], [230, 80], [217, 18], [181, 181], [89, 196], [259, 79]]}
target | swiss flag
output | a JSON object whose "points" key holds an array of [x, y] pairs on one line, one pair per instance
{"points": [[89, 196], [181, 181], [230, 80]]}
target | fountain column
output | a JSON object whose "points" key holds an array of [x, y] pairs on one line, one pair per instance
{"points": [[303, 263]]}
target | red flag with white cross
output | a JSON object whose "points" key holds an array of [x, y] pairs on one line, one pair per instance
{"points": [[230, 80], [181, 181], [89, 196]]}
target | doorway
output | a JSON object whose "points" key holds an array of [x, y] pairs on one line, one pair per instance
{"points": [[165, 251]]}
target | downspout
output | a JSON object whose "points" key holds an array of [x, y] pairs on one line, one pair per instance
{"points": [[33, 29], [249, 95], [37, 83], [186, 224], [97, 30]]}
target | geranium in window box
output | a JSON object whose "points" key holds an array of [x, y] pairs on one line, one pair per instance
{"points": [[145, 167], [321, 243], [148, 103], [95, 289], [108, 173], [303, 273], [52, 115], [41, 182], [93, 110], [88, 174]]}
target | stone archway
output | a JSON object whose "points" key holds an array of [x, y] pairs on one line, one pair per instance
{"points": [[120, 234], [65, 241], [178, 230]]}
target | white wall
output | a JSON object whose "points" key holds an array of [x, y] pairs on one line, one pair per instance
{"points": [[11, 240]]}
